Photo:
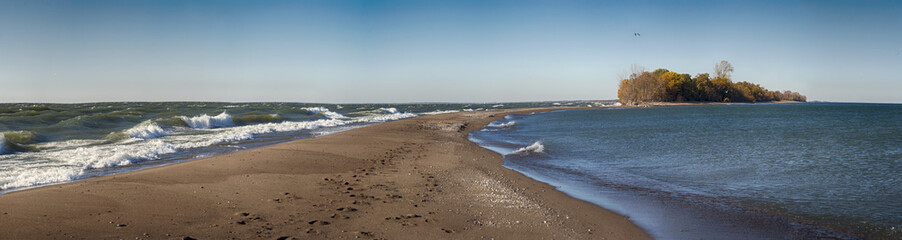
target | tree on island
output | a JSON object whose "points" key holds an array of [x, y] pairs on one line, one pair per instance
{"points": [[662, 85]]}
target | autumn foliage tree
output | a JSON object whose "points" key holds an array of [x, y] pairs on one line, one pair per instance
{"points": [[641, 86], [662, 85]]}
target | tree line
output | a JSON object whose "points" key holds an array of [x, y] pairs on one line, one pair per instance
{"points": [[662, 85]]}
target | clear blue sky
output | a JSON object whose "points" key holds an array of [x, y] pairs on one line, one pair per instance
{"points": [[424, 51]]}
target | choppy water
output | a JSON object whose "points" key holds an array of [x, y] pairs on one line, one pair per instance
{"points": [[52, 143], [821, 167]]}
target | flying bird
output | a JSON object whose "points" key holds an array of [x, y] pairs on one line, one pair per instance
{"points": [[637, 34]]}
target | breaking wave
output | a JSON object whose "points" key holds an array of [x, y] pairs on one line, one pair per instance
{"points": [[385, 118], [502, 125], [389, 110], [441, 112], [205, 121], [15, 141], [146, 130], [242, 133], [535, 147], [25, 177], [77, 160], [325, 112]]}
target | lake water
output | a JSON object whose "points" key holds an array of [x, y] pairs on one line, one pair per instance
{"points": [[722, 171]]}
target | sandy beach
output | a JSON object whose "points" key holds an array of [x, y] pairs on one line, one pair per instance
{"points": [[413, 178]]}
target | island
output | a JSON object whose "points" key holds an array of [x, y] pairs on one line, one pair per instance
{"points": [[663, 85]]}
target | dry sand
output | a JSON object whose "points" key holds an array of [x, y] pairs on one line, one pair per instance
{"points": [[409, 179]]}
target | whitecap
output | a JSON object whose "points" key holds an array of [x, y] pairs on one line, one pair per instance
{"points": [[535, 147], [325, 111], [243, 133], [146, 130], [389, 110], [205, 121], [102, 156], [385, 118], [61, 165], [25, 177], [503, 125], [441, 112]]}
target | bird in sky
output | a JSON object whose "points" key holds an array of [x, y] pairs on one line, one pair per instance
{"points": [[636, 34]]}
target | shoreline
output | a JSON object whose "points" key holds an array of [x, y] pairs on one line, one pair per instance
{"points": [[417, 177]]}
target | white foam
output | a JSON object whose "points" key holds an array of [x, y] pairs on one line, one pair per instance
{"points": [[503, 125], [24, 177], [102, 156], [146, 130], [60, 165], [242, 133], [205, 121], [441, 112], [389, 110], [498, 105], [382, 115], [385, 118], [535, 147], [325, 111]]}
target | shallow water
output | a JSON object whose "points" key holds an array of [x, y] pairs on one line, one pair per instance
{"points": [[814, 169], [52, 143]]}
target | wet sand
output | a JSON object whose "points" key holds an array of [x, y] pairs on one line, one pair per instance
{"points": [[413, 178]]}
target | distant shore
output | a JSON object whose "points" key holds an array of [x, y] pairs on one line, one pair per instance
{"points": [[417, 177], [658, 104]]}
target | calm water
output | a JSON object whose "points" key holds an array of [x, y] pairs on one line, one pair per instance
{"points": [[51, 143], [812, 169]]}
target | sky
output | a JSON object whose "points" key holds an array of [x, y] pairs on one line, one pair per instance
{"points": [[337, 51]]}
